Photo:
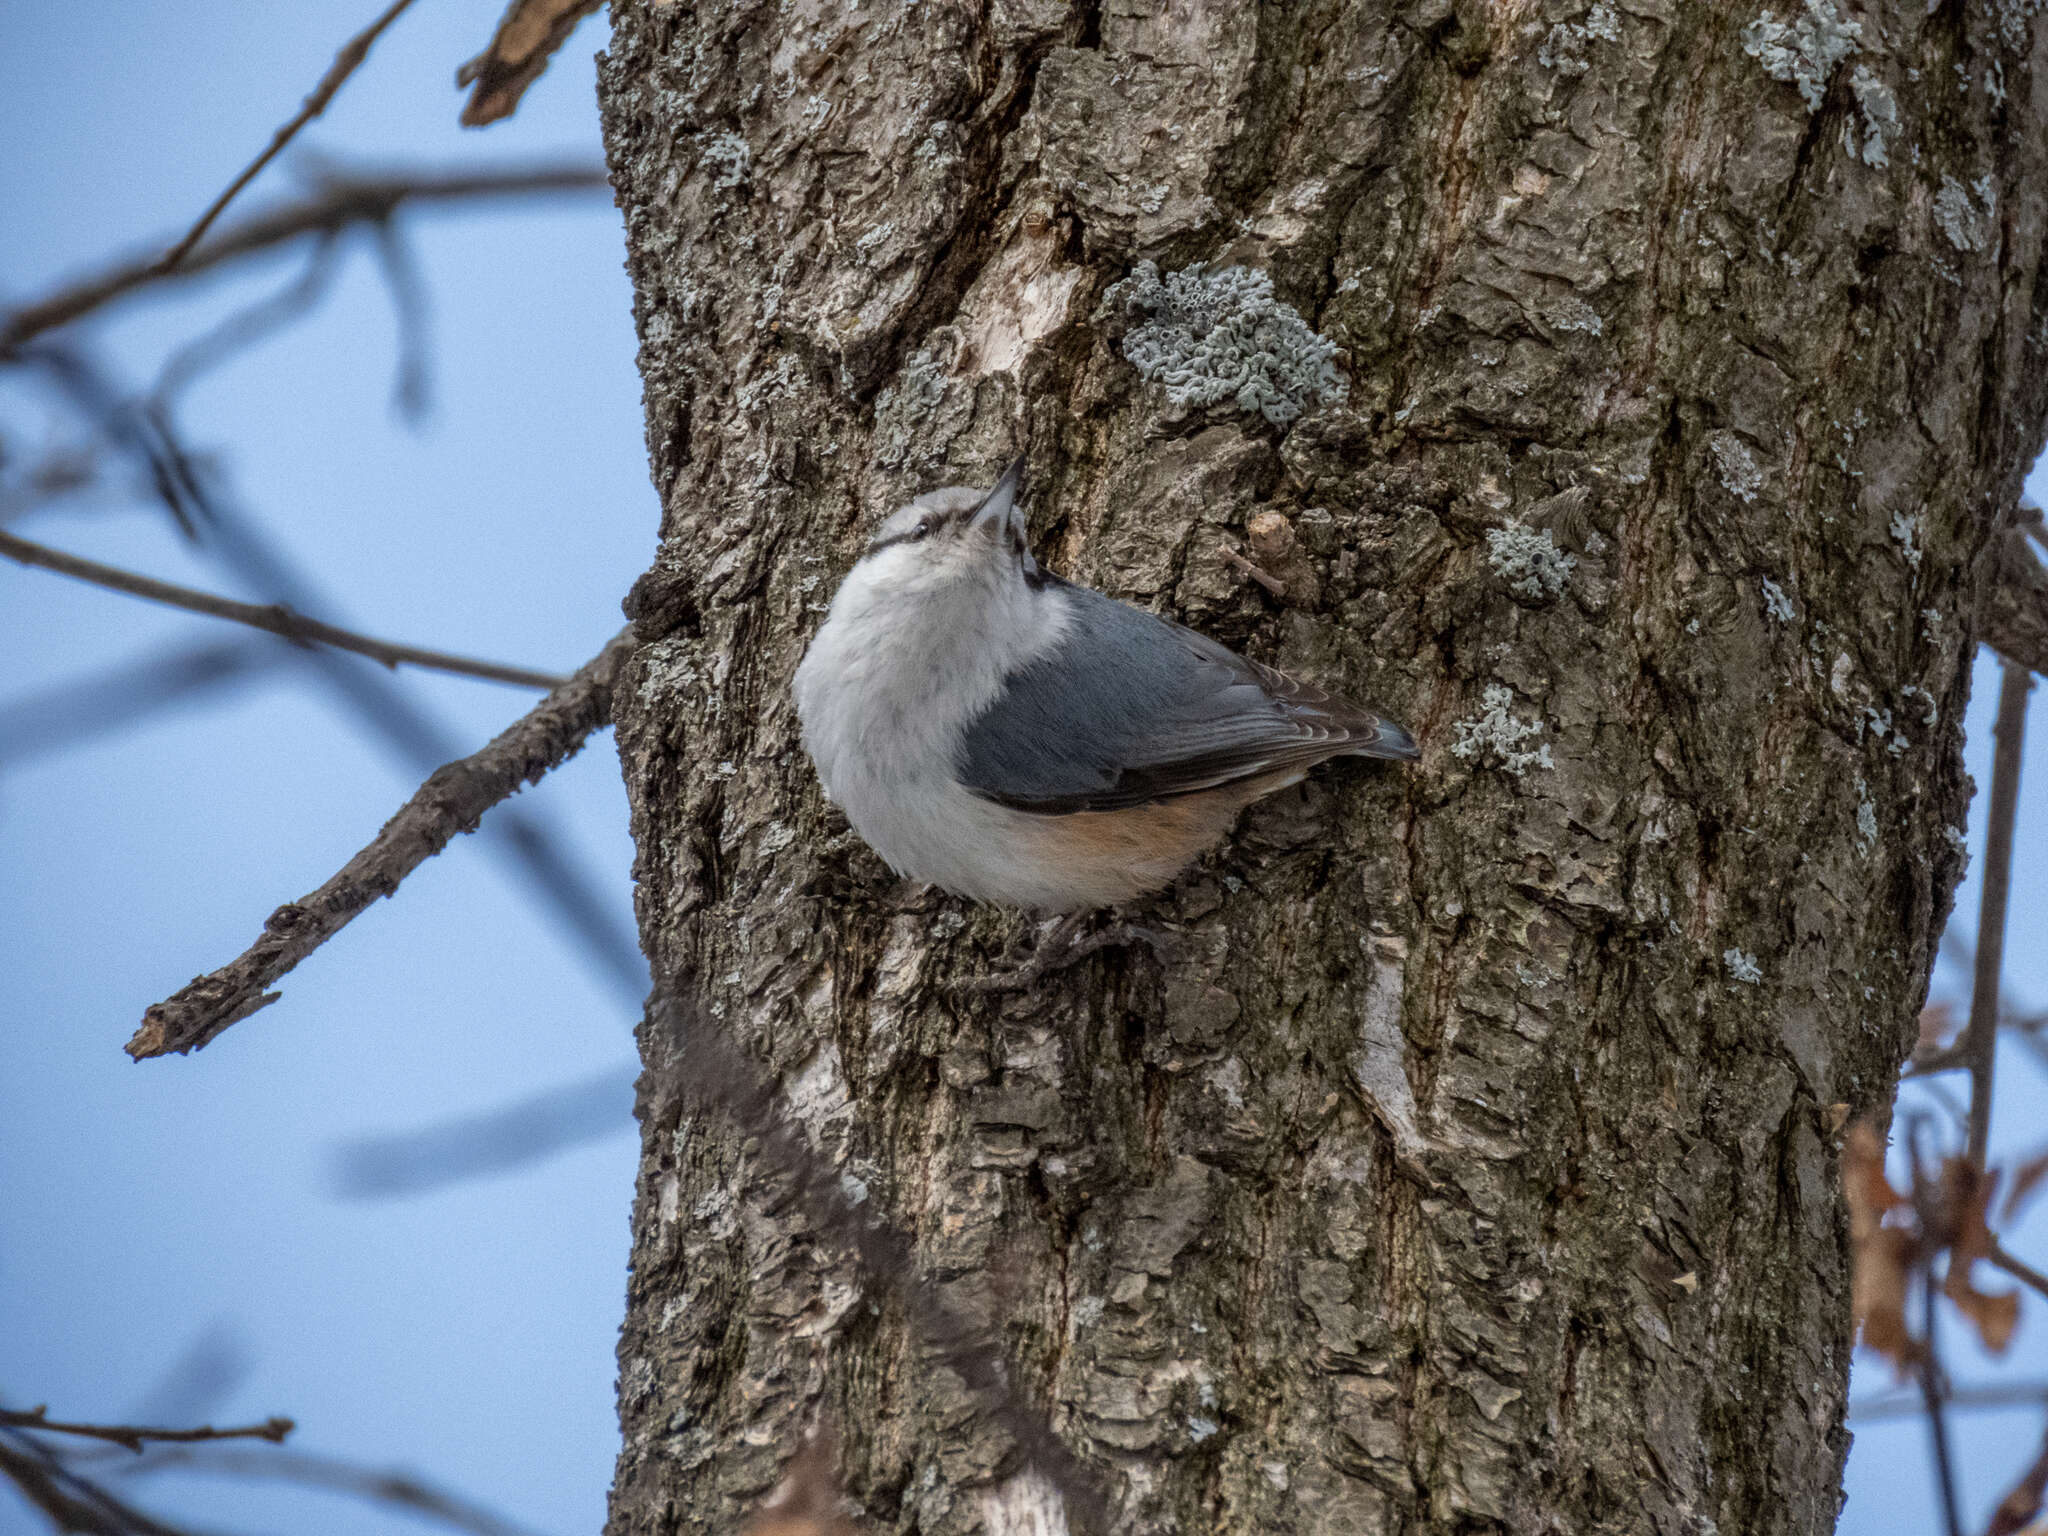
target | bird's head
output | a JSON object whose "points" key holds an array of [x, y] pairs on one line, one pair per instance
{"points": [[949, 538]]}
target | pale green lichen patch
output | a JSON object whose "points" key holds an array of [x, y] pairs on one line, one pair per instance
{"points": [[1737, 466], [1905, 529], [1223, 336], [1966, 226], [729, 160], [1804, 51], [1529, 560], [1880, 109], [1565, 49], [1494, 738]]}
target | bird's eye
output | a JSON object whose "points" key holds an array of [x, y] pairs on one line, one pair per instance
{"points": [[922, 530]]}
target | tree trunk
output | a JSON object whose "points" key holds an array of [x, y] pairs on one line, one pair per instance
{"points": [[1467, 1161]]}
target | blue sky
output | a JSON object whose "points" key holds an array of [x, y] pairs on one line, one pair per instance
{"points": [[466, 1333]]}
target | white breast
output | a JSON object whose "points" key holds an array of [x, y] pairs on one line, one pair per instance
{"points": [[887, 690]]}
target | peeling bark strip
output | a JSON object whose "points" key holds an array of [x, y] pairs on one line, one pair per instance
{"points": [[1693, 362]]}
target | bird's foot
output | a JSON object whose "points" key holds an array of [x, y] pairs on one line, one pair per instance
{"points": [[1060, 949]]}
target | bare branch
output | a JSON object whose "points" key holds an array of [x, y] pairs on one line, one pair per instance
{"points": [[453, 800], [273, 618], [1980, 1037], [346, 62], [2012, 610], [403, 1490], [135, 1436], [528, 36], [342, 199], [707, 1066]]}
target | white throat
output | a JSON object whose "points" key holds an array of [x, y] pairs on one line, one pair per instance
{"points": [[897, 673]]}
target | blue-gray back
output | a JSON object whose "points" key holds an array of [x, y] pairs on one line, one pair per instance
{"points": [[1131, 708]]}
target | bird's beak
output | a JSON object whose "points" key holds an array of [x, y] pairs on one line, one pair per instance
{"points": [[998, 513]]}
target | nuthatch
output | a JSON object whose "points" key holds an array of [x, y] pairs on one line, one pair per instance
{"points": [[1009, 736]]}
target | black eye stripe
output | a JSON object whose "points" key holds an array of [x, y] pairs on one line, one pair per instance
{"points": [[930, 523]]}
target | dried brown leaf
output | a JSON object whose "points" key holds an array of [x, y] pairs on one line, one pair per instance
{"points": [[2024, 1180], [1964, 1194], [2017, 1510], [528, 36], [1882, 1257], [1882, 1266], [1937, 1026], [1994, 1316], [1870, 1193]]}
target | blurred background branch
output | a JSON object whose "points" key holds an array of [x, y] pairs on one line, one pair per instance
{"points": [[341, 198], [272, 618], [346, 62], [249, 287]]}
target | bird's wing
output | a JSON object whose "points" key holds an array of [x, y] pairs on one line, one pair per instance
{"points": [[1131, 709]]}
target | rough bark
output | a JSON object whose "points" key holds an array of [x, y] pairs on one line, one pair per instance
{"points": [[1468, 1161]]}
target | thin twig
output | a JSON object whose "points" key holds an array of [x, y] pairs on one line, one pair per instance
{"points": [[2024, 1023], [1933, 1379], [135, 1436], [245, 328], [1950, 1058], [342, 199], [2030, 519], [452, 801], [409, 300], [1258, 573], [1908, 1403], [273, 618], [72, 1502], [401, 1489], [2018, 1268], [708, 1067], [346, 62], [1980, 1037]]}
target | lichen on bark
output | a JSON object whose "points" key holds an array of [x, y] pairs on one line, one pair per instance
{"points": [[1362, 1208]]}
